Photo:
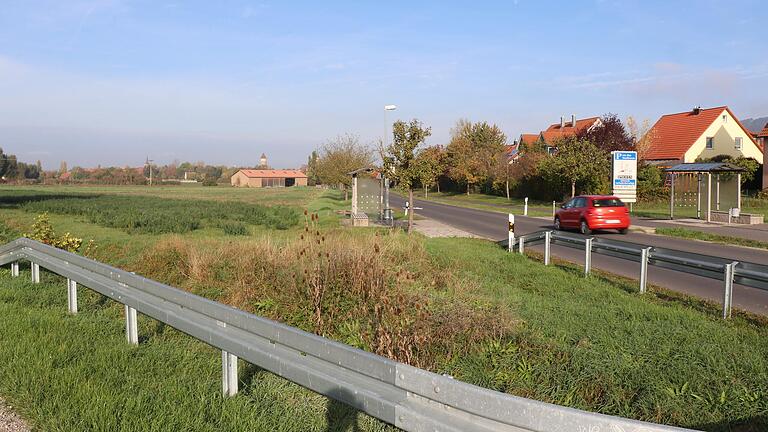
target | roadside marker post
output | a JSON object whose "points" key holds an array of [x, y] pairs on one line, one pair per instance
{"points": [[525, 209], [728, 291], [644, 254], [553, 209], [547, 241], [587, 256], [511, 237]]}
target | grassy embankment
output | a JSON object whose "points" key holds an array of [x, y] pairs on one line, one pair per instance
{"points": [[456, 306]]}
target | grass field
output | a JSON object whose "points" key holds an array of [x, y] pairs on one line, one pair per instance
{"points": [[457, 306]]}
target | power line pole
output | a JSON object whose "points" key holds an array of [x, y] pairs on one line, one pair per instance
{"points": [[149, 162]]}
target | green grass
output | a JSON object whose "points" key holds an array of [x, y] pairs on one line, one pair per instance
{"points": [[715, 238], [541, 332], [74, 373]]}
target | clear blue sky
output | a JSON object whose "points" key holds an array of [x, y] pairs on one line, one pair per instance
{"points": [[112, 81]]}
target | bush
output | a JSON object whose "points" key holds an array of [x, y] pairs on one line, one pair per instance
{"points": [[234, 228], [42, 231], [210, 181]]}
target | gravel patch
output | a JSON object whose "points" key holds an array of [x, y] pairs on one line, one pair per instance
{"points": [[10, 421]]}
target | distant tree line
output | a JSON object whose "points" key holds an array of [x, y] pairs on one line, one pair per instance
{"points": [[13, 170]]}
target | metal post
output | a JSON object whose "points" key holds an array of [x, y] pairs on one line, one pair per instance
{"points": [[521, 245], [644, 253], [547, 240], [71, 296], [717, 192], [672, 198], [229, 383], [698, 196], [131, 325], [525, 209], [15, 268], [588, 256], [35, 270], [709, 197], [728, 291], [738, 195]]}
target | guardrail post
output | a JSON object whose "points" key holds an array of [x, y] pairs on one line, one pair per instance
{"points": [[728, 291], [229, 382], [15, 268], [547, 241], [131, 326], [35, 270], [71, 296], [521, 245], [587, 256], [644, 253]]}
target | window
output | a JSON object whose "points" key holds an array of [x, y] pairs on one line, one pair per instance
{"points": [[608, 202], [710, 143], [725, 118], [580, 203], [737, 143]]}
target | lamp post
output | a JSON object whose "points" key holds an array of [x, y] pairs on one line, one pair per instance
{"points": [[149, 163], [387, 210]]}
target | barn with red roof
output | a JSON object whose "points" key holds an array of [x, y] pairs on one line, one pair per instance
{"points": [[268, 178]]}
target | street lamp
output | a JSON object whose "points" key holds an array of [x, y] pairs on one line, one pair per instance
{"points": [[385, 179]]}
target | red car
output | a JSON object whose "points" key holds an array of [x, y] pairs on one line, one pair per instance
{"points": [[592, 212]]}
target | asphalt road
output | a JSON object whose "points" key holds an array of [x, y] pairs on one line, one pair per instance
{"points": [[493, 225]]}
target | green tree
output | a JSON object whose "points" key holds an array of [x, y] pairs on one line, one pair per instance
{"points": [[312, 177], [399, 158], [474, 151], [339, 157], [431, 165], [576, 161]]}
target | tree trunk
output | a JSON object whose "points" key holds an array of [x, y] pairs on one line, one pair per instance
{"points": [[346, 194], [438, 187], [426, 191], [573, 189], [468, 189], [507, 186], [410, 210]]}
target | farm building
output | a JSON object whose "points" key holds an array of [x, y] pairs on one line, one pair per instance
{"points": [[268, 178]]}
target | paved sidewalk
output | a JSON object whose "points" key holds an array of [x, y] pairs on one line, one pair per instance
{"points": [[433, 228]]}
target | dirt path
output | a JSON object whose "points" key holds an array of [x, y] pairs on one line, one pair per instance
{"points": [[10, 421]]}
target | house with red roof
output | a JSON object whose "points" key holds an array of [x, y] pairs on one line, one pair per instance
{"points": [[558, 131], [699, 133], [761, 138], [268, 178]]}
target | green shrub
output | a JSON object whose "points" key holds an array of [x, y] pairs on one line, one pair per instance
{"points": [[234, 228]]}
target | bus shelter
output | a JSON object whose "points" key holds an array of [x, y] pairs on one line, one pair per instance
{"points": [[709, 187], [370, 194]]}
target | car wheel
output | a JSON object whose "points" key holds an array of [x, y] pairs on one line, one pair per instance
{"points": [[557, 224], [623, 230], [585, 228]]}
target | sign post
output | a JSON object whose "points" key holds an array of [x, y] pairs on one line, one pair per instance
{"points": [[624, 175], [511, 232]]}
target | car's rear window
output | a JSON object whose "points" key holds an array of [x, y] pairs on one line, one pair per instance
{"points": [[608, 202]]}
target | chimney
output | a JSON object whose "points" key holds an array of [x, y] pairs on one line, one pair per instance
{"points": [[562, 122], [573, 120], [696, 110]]}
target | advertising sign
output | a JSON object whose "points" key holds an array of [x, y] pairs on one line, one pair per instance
{"points": [[624, 178]]}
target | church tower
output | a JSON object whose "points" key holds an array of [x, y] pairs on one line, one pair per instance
{"points": [[263, 161]]}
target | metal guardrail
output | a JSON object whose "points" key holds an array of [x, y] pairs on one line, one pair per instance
{"points": [[713, 267], [407, 397]]}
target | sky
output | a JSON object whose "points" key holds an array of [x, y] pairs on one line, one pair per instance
{"points": [[112, 82]]}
